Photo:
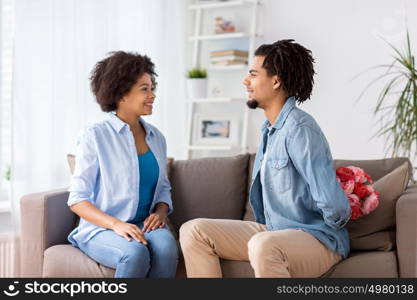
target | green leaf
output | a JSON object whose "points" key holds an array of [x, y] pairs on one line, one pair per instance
{"points": [[197, 73], [398, 121]]}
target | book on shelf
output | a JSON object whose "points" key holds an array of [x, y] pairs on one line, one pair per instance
{"points": [[228, 57], [229, 52], [228, 63]]}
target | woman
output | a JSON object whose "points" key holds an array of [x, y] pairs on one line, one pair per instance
{"points": [[119, 187]]}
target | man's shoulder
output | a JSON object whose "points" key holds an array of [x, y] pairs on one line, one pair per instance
{"points": [[299, 119]]}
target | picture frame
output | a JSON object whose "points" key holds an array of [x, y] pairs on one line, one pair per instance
{"points": [[215, 129]]}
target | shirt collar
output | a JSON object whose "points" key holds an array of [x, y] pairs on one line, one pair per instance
{"points": [[118, 124], [286, 109]]}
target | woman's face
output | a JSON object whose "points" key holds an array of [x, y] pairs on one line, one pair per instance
{"points": [[139, 100]]}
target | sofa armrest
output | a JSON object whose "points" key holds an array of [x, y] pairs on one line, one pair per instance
{"points": [[406, 218], [46, 220]]}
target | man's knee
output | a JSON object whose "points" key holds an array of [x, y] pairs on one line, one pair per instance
{"points": [[262, 245], [190, 230]]}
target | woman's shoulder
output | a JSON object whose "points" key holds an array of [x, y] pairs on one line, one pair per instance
{"points": [[155, 130], [92, 131]]}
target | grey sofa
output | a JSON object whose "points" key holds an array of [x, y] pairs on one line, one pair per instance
{"points": [[383, 244]]}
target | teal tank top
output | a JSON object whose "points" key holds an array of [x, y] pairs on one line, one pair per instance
{"points": [[149, 173]]}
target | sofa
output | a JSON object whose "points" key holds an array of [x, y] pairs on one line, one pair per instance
{"points": [[383, 243]]}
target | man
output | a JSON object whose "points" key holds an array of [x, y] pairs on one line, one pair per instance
{"points": [[299, 206]]}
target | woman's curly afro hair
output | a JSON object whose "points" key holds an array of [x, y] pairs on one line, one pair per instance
{"points": [[113, 77], [293, 64]]}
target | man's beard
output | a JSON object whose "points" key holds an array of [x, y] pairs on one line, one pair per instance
{"points": [[252, 104]]}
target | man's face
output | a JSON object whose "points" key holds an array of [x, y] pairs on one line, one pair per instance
{"points": [[260, 86]]}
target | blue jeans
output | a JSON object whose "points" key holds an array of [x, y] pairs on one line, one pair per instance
{"points": [[132, 259]]}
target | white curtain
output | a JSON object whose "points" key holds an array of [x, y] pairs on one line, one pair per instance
{"points": [[57, 44]]}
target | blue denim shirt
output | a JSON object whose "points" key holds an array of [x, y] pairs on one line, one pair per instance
{"points": [[300, 187], [106, 173]]}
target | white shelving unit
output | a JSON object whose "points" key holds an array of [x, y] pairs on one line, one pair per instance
{"points": [[214, 100], [234, 35], [198, 38], [226, 68], [221, 4]]}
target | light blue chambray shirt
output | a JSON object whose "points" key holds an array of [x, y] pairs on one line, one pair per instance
{"points": [[299, 188], [107, 172]]}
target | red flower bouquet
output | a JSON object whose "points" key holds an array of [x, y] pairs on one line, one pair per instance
{"points": [[358, 187]]}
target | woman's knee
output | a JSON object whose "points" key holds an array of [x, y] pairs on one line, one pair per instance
{"points": [[135, 252], [165, 245]]}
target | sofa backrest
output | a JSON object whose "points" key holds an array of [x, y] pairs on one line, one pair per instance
{"points": [[209, 188]]}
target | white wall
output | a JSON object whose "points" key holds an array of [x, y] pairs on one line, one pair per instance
{"points": [[344, 38]]}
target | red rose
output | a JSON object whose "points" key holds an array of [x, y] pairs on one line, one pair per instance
{"points": [[370, 203], [348, 186], [369, 178], [345, 174], [355, 206], [358, 187], [356, 212], [361, 190]]}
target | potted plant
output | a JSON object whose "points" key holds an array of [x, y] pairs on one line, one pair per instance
{"points": [[197, 83], [399, 116], [7, 174]]}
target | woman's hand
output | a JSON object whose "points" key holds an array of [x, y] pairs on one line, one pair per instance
{"points": [[129, 231], [157, 219], [154, 221]]}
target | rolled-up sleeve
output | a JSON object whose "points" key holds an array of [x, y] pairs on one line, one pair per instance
{"points": [[165, 191], [86, 169], [311, 156]]}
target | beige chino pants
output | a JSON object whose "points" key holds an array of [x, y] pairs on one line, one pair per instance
{"points": [[282, 253]]}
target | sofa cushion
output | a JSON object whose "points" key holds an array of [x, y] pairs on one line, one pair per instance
{"points": [[236, 269], [381, 241], [374, 264], [370, 264], [390, 187], [209, 188], [376, 168], [67, 261]]}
